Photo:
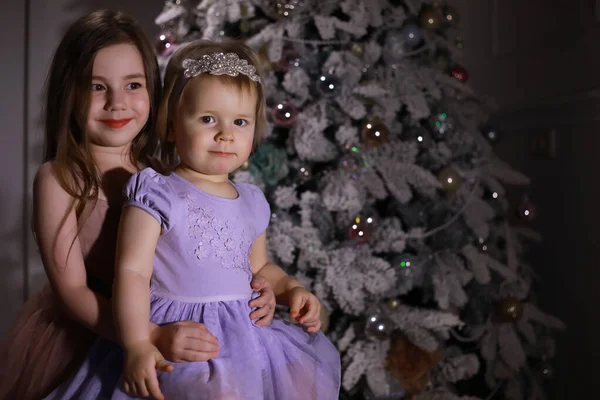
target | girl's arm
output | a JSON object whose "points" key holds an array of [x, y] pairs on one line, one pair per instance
{"points": [[281, 282], [55, 227], [304, 306], [136, 243]]}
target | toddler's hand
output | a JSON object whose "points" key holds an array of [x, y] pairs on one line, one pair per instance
{"points": [[141, 362], [264, 304], [305, 308]]}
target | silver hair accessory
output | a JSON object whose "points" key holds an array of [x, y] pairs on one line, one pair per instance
{"points": [[219, 64]]}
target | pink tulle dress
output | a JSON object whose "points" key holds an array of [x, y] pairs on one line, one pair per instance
{"points": [[44, 346]]}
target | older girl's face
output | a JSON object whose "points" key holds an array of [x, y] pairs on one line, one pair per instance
{"points": [[120, 103]]}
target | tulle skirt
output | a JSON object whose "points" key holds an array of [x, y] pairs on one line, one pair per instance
{"points": [[278, 362], [42, 348]]}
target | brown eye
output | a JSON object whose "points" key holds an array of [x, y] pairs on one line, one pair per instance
{"points": [[134, 85], [207, 119]]}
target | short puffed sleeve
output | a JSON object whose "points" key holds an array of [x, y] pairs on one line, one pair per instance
{"points": [[150, 191], [261, 210]]}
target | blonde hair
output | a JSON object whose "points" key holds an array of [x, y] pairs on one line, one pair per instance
{"points": [[175, 81]]}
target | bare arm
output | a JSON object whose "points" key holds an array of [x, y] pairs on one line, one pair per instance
{"points": [[136, 243], [55, 227], [281, 282]]}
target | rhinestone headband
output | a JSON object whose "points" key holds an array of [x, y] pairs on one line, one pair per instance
{"points": [[219, 64]]}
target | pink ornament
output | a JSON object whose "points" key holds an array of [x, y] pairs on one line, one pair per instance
{"points": [[289, 60], [460, 73], [284, 114], [165, 44]]}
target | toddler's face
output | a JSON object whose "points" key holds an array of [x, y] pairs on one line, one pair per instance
{"points": [[215, 125]]}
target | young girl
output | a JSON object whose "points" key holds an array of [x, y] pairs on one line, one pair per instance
{"points": [[102, 96], [190, 240]]}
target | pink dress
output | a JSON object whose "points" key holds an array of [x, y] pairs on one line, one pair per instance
{"points": [[44, 346]]}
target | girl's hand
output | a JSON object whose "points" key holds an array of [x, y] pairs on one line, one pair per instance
{"points": [[141, 362], [185, 341], [264, 304], [305, 308]]}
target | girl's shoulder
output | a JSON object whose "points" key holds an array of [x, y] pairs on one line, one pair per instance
{"points": [[47, 183]]}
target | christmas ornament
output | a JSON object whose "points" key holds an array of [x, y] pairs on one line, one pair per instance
{"points": [[375, 133], [357, 49], [460, 73], [418, 135], [509, 310], [403, 265], [284, 114], [410, 364], [328, 85], [546, 370], [349, 163], [491, 134], [360, 230], [411, 34], [526, 211], [269, 163], [289, 59], [304, 173], [379, 326], [451, 15], [164, 44], [459, 42], [441, 125], [393, 304], [482, 244], [245, 166], [449, 179], [430, 19], [286, 8]]}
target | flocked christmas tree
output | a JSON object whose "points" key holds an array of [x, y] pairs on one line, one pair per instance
{"points": [[387, 200]]}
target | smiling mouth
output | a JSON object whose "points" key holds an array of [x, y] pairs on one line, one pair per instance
{"points": [[116, 123]]}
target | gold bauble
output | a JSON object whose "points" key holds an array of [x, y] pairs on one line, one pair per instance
{"points": [[357, 49], [245, 166], [375, 133], [430, 19], [510, 309], [451, 15], [450, 179], [393, 304]]}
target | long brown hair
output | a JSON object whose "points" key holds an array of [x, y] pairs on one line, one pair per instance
{"points": [[67, 100], [175, 82]]}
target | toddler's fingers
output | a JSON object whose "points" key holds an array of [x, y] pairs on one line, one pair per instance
{"points": [[142, 391], [296, 304], [314, 328], [259, 313], [154, 388], [312, 313], [163, 365]]}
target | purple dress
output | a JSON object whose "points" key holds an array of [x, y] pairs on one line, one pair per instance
{"points": [[202, 273]]}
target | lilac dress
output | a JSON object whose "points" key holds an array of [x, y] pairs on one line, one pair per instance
{"points": [[202, 273]]}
